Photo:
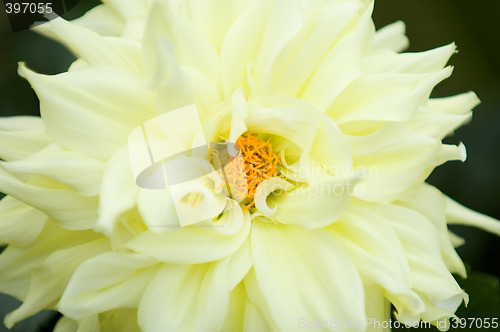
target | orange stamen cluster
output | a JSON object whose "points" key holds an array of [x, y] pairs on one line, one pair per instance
{"points": [[260, 162]]}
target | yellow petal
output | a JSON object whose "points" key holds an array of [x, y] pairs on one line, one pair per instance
{"points": [[304, 274], [324, 25], [108, 281], [241, 45], [386, 97], [20, 224], [123, 320], [313, 132], [61, 165], [390, 168], [186, 298], [378, 310], [63, 205], [17, 263], [341, 66], [118, 192], [442, 116], [315, 205], [459, 214], [392, 36], [385, 61], [21, 136], [378, 254], [191, 245], [102, 20], [80, 108], [430, 276], [157, 210], [65, 324], [49, 279], [188, 42], [96, 50], [431, 203], [212, 17]]}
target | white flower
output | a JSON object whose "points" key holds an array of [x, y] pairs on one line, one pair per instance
{"points": [[352, 228]]}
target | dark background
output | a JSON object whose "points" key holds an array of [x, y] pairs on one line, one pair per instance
{"points": [[473, 25]]}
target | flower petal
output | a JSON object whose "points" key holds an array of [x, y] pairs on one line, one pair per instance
{"points": [[324, 25], [174, 88], [128, 9], [186, 298], [386, 97], [17, 263], [192, 245], [239, 264], [102, 20], [235, 317], [378, 309], [378, 254], [304, 274], [157, 210], [188, 42], [341, 66], [108, 281], [61, 165], [20, 224], [443, 115], [21, 136], [315, 133], [385, 61], [318, 204], [266, 188], [241, 45], [461, 215], [431, 279], [80, 108], [49, 279], [285, 21], [118, 191], [87, 324], [391, 167], [63, 205], [65, 324], [431, 203], [123, 320], [96, 50], [392, 36], [212, 17]]}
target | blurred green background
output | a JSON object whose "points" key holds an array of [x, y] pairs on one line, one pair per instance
{"points": [[472, 25]]}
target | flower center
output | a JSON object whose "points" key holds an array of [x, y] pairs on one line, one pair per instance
{"points": [[260, 162]]}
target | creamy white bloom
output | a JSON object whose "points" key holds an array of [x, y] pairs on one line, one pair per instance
{"points": [[345, 228]]}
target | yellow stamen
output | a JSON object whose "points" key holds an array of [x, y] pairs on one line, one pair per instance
{"points": [[260, 163]]}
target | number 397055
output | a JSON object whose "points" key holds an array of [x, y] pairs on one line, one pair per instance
{"points": [[28, 8]]}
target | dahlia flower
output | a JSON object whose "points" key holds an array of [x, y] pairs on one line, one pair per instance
{"points": [[337, 134]]}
